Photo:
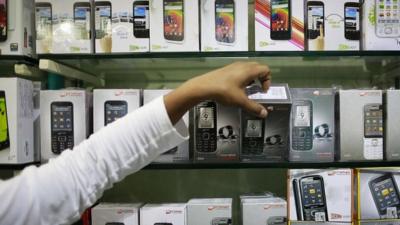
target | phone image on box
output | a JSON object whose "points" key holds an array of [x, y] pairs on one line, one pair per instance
{"points": [[174, 20], [253, 136], [373, 121], [281, 26], [387, 18], [313, 200], [3, 20], [141, 25], [352, 20], [62, 126], [315, 19], [44, 21], [221, 221], [103, 14], [4, 134], [385, 194], [225, 21], [82, 20], [302, 125], [114, 110], [206, 127]]}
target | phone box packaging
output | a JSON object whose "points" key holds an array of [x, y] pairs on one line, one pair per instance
{"points": [[37, 87], [219, 140], [358, 113], [165, 35], [211, 211], [109, 213], [267, 139], [378, 194], [270, 211], [292, 40], [392, 121], [20, 29], [62, 101], [224, 25], [122, 100], [379, 33], [336, 194], [151, 214], [115, 26], [69, 31], [179, 153], [16, 121], [335, 36], [312, 125]]}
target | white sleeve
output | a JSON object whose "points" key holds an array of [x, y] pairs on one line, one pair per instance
{"points": [[59, 191]]}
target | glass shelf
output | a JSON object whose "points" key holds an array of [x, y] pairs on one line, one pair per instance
{"points": [[8, 62]]}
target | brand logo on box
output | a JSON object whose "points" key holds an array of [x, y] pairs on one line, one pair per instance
{"points": [[336, 216], [123, 211], [267, 207], [339, 172], [70, 94], [170, 211], [217, 207], [362, 94]]}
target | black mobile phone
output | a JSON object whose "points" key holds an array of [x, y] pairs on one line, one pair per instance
{"points": [[141, 19], [352, 20], [297, 200], [206, 127], [280, 22], [253, 135], [4, 134], [277, 220], [315, 19], [221, 221], [302, 125], [385, 193], [3, 20], [373, 121], [62, 126], [225, 21], [174, 20], [313, 198], [114, 110], [103, 17], [44, 21], [82, 20]]}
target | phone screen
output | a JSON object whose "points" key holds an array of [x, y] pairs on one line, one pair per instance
{"points": [[253, 128], [312, 193], [280, 15], [315, 19], [43, 22], [82, 21], [62, 118], [115, 111], [173, 19], [386, 194], [351, 19], [302, 117], [373, 121], [141, 17], [206, 119], [225, 22], [3, 120], [103, 20], [3, 19], [388, 11]]}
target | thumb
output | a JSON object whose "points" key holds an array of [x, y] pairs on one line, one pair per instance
{"points": [[254, 107]]}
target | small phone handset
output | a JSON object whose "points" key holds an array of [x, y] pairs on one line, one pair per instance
{"points": [[274, 140], [322, 131]]}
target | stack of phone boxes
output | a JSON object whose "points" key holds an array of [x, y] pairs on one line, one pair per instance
{"points": [[17, 27], [116, 214], [320, 195], [378, 198], [163, 214], [312, 126], [64, 120], [213, 211], [118, 30], [263, 209], [16, 121], [267, 139], [216, 132]]}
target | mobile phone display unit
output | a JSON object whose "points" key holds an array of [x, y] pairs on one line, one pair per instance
{"points": [[387, 18], [82, 20], [62, 126], [373, 130], [281, 20], [206, 127], [252, 135], [141, 26], [4, 134], [3, 20], [114, 110], [103, 12], [352, 20], [174, 19], [386, 196], [225, 21], [221, 221], [44, 21], [302, 125]]}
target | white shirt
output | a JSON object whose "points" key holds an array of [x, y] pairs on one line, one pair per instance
{"points": [[59, 191]]}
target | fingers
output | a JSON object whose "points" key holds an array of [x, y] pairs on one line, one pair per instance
{"points": [[265, 83], [255, 108]]}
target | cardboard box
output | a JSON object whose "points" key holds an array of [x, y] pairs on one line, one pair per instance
{"points": [[333, 25], [286, 36], [64, 120], [16, 121], [216, 133], [320, 195], [312, 125], [151, 214], [392, 128], [122, 26], [112, 104], [378, 193], [267, 139], [174, 26], [380, 31], [19, 38], [360, 125], [179, 153], [224, 25], [116, 213], [63, 26], [214, 211], [270, 211]]}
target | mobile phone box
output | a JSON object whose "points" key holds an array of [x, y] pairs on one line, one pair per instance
{"points": [[168, 213], [116, 213]]}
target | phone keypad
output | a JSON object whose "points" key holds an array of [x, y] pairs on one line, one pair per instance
{"points": [[60, 143], [206, 142], [302, 139]]}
